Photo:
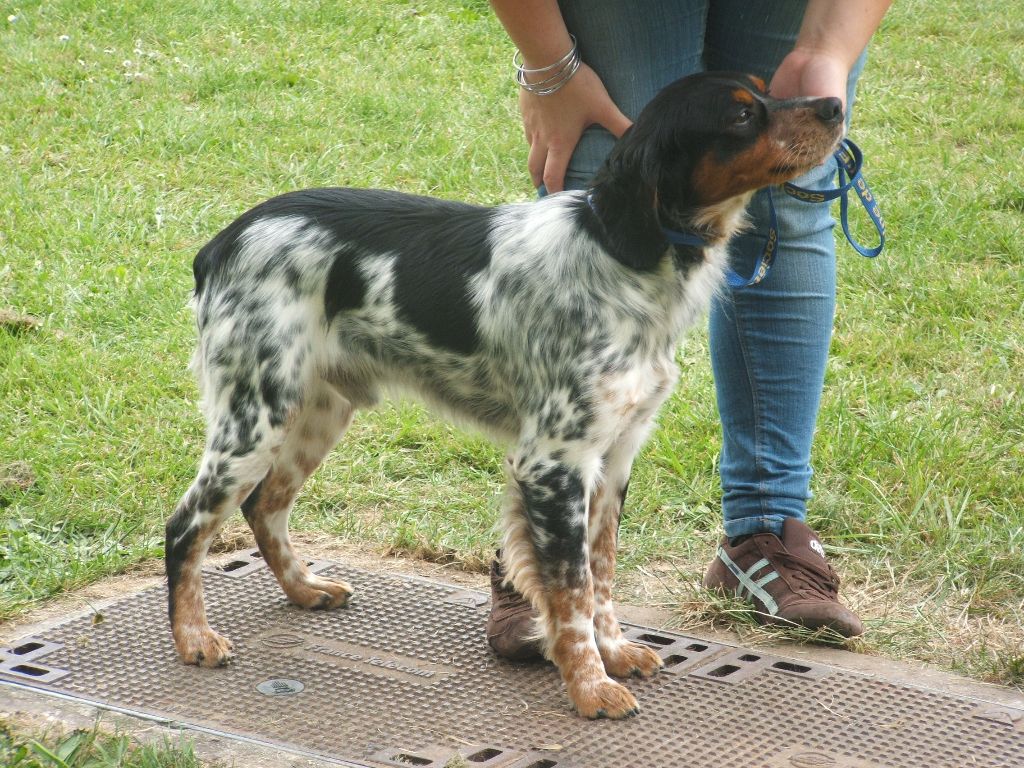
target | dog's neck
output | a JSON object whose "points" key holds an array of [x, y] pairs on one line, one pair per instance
{"points": [[634, 217]]}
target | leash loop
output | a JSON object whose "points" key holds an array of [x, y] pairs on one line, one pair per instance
{"points": [[849, 160]]}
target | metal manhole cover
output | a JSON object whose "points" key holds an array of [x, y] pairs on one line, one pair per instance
{"points": [[403, 677]]}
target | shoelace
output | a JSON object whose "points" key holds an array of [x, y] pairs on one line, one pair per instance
{"points": [[818, 580]]}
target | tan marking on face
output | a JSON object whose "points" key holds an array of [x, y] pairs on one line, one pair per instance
{"points": [[794, 141], [751, 169], [743, 96], [759, 83]]}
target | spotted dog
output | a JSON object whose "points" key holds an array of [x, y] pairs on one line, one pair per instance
{"points": [[550, 325]]}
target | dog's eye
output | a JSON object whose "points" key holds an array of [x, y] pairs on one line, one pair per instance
{"points": [[744, 117]]}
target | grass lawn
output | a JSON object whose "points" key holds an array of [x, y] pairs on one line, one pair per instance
{"points": [[131, 132]]}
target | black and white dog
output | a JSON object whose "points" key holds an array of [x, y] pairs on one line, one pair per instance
{"points": [[551, 325]]}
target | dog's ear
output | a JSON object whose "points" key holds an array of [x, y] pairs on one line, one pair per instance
{"points": [[625, 193], [631, 162]]}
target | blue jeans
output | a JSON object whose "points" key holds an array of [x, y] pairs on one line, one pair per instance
{"points": [[769, 342]]}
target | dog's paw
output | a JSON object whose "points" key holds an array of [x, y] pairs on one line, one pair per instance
{"points": [[204, 647], [603, 698], [337, 592], [318, 593], [631, 660]]}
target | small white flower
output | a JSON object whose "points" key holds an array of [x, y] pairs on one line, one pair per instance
{"points": [[12, 18], [64, 38]]}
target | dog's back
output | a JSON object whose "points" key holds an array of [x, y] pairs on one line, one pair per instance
{"points": [[479, 311]]}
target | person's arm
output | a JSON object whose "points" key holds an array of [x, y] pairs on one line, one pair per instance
{"points": [[554, 123], [832, 36], [537, 29]]}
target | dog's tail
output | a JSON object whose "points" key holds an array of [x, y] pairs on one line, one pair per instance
{"points": [[213, 256]]}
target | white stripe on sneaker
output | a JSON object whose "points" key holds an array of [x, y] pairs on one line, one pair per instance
{"points": [[748, 584]]}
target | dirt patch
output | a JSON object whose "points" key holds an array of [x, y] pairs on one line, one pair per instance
{"points": [[16, 476], [16, 322]]}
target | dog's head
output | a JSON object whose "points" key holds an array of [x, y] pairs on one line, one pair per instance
{"points": [[733, 137], [714, 137]]}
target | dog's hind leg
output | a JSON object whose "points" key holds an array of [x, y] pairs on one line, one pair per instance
{"points": [[545, 553], [315, 431], [253, 389], [230, 469]]}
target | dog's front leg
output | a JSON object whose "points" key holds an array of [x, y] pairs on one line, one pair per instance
{"points": [[546, 557], [633, 402], [226, 478], [621, 657]]}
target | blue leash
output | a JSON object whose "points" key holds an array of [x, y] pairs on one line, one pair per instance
{"points": [[849, 160]]}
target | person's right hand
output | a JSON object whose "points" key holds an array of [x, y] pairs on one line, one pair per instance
{"points": [[555, 122]]}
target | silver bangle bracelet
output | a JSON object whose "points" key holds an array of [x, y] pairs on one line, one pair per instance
{"points": [[554, 76]]}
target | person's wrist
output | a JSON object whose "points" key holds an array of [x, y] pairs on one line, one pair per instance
{"points": [[808, 71], [544, 80], [824, 56]]}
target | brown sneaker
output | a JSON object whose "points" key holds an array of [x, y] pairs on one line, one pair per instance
{"points": [[510, 622], [788, 580]]}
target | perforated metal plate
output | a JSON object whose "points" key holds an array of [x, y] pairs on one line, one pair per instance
{"points": [[403, 677]]}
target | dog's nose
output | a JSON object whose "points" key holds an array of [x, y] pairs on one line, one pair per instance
{"points": [[830, 110]]}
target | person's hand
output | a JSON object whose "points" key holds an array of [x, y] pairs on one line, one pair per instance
{"points": [[808, 72], [554, 124]]}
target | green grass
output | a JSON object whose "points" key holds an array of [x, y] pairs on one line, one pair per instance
{"points": [[132, 132], [92, 748]]}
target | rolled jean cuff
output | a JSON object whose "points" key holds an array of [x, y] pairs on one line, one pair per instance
{"points": [[744, 526]]}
